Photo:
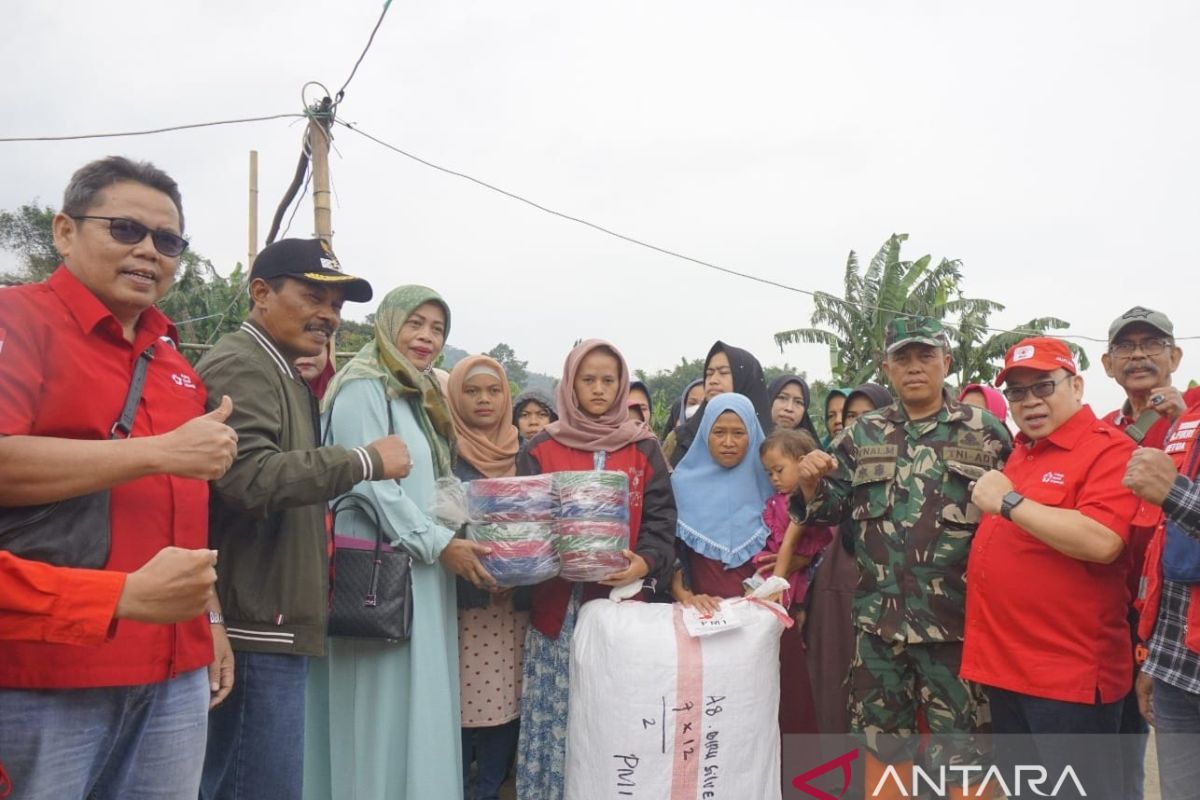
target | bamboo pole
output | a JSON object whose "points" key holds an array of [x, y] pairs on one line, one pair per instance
{"points": [[252, 251], [318, 141]]}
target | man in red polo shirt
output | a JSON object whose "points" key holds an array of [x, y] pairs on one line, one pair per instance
{"points": [[1142, 357], [126, 717], [1046, 628]]}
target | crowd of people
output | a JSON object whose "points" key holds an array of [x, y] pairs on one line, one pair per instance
{"points": [[945, 575]]}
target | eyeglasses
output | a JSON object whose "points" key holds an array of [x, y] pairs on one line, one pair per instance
{"points": [[1015, 394], [1151, 347], [130, 231]]}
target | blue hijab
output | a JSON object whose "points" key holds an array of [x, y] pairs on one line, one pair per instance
{"points": [[721, 510]]}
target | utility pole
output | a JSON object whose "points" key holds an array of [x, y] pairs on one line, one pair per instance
{"points": [[253, 248], [318, 143]]}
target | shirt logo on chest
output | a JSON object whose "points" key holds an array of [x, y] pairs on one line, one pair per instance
{"points": [[1181, 436], [1055, 478], [183, 380]]}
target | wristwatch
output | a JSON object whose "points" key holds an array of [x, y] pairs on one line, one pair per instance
{"points": [[216, 618], [1009, 502]]}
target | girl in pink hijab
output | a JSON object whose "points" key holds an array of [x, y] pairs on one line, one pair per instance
{"points": [[594, 432]]}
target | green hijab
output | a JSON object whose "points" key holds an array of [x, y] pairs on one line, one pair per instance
{"points": [[381, 360]]}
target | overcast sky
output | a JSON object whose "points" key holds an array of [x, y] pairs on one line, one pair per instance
{"points": [[1050, 146]]}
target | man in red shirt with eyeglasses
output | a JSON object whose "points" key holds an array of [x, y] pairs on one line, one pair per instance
{"points": [[1046, 628], [127, 716]]}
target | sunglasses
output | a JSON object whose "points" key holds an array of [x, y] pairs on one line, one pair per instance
{"points": [[129, 231], [1015, 394]]}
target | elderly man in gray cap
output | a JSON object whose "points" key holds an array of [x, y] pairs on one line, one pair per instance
{"points": [[1141, 357]]}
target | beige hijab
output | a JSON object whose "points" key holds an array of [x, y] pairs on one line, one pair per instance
{"points": [[491, 450]]}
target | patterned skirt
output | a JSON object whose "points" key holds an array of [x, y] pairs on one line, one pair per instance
{"points": [[542, 748]]}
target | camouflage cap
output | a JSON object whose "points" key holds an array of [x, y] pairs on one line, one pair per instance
{"points": [[915, 330], [1146, 316]]}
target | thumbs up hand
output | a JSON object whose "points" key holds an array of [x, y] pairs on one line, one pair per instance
{"points": [[222, 411], [202, 448]]}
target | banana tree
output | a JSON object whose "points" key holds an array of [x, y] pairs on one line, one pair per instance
{"points": [[855, 324]]}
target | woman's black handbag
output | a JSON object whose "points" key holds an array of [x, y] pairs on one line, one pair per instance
{"points": [[74, 532], [371, 582]]}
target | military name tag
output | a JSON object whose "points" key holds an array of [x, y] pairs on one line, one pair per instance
{"points": [[968, 455], [874, 471], [877, 452]]}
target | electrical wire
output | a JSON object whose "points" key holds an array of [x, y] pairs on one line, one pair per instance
{"points": [[180, 322], [676, 254], [511, 195], [342, 91], [296, 206], [189, 126]]}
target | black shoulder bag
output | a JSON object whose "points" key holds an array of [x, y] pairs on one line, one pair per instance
{"points": [[370, 593], [74, 532]]}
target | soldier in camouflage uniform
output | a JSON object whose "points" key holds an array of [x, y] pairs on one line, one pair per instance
{"points": [[902, 474]]}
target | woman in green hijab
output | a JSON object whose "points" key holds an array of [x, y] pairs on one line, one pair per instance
{"points": [[383, 719]]}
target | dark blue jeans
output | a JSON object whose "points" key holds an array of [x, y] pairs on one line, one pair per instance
{"points": [[1135, 733], [1038, 731], [1177, 738], [104, 744], [256, 737], [492, 749]]}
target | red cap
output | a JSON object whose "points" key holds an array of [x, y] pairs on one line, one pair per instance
{"points": [[1038, 352]]}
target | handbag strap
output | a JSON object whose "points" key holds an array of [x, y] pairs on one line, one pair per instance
{"points": [[387, 403], [123, 427], [363, 505]]}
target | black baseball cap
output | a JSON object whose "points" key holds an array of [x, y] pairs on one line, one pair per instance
{"points": [[310, 260]]}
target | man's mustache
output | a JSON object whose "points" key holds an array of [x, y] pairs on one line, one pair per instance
{"points": [[1142, 365]]}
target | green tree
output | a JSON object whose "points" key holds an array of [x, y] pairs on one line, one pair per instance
{"points": [[203, 303], [818, 391], [666, 387], [979, 351], [351, 336], [514, 368], [771, 373], [892, 287], [28, 232]]}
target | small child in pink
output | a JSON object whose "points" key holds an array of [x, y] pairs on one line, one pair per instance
{"points": [[791, 547]]}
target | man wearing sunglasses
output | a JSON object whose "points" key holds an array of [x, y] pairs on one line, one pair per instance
{"points": [[125, 715], [1047, 631], [1142, 357]]}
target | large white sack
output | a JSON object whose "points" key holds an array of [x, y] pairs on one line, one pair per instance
{"points": [[658, 715]]}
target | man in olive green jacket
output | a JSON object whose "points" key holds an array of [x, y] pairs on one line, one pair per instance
{"points": [[268, 515]]}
